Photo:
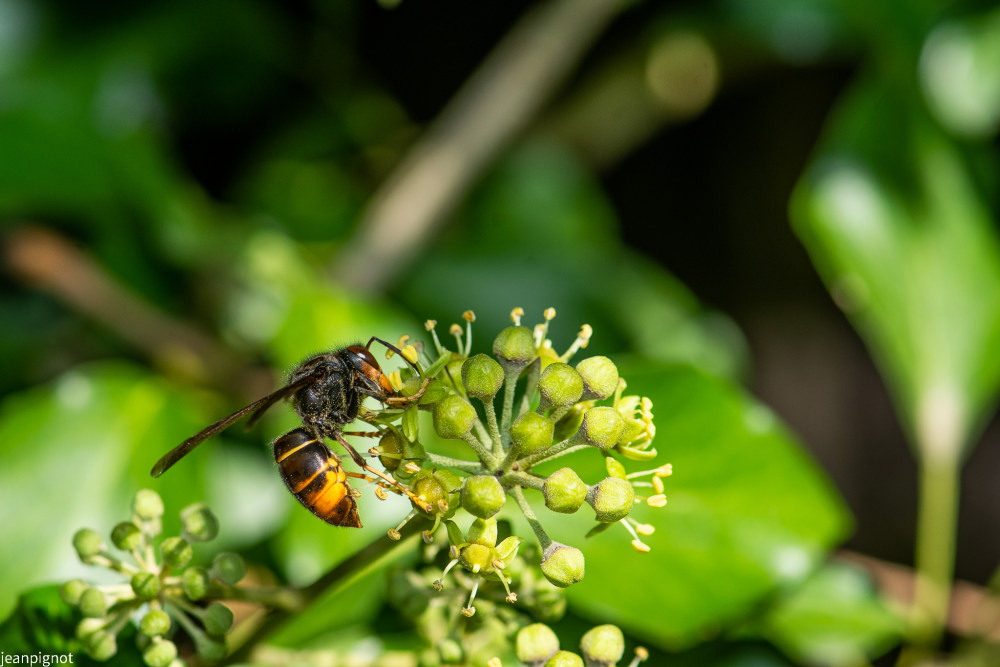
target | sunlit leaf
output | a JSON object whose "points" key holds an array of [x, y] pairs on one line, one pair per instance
{"points": [[747, 511], [893, 219]]}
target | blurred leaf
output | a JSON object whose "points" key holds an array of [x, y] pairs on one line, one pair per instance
{"points": [[747, 511], [40, 622], [891, 216], [833, 618], [960, 74], [75, 451], [43, 623], [799, 31]]}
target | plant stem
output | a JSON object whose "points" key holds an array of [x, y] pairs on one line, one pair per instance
{"points": [[543, 539], [458, 464], [372, 557], [935, 556], [559, 449]]}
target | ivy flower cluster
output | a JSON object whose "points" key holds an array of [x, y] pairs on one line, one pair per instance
{"points": [[163, 590], [548, 408], [538, 646]]}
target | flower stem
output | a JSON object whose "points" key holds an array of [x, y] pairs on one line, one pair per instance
{"points": [[523, 479], [543, 539], [560, 448], [458, 464], [509, 385], [288, 599]]}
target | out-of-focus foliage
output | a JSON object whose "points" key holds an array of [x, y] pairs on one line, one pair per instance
{"points": [[104, 119]]}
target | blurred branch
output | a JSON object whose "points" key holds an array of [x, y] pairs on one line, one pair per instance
{"points": [[508, 89], [45, 260]]}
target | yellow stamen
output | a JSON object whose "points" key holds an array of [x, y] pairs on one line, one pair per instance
{"points": [[409, 353], [640, 546], [395, 380], [469, 316], [658, 500], [430, 324], [516, 314]]}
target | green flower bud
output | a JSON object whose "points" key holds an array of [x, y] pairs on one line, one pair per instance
{"points": [[602, 427], [209, 647], [160, 653], [562, 565], [603, 646], [535, 644], [482, 377], [514, 348], [565, 659], [177, 551], [484, 532], [564, 491], [477, 557], [126, 536], [145, 585], [600, 377], [148, 505], [100, 645], [453, 417], [93, 604], [440, 486], [549, 604], [72, 590], [612, 499], [155, 623], [483, 496], [87, 627], [451, 652], [229, 567], [531, 432], [88, 543], [218, 619], [391, 445], [195, 582], [560, 385], [199, 523]]}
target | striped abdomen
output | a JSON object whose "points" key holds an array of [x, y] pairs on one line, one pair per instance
{"points": [[313, 474]]}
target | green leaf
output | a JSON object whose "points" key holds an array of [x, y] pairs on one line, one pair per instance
{"points": [[747, 511], [40, 622], [965, 98], [834, 618], [893, 220], [75, 451]]}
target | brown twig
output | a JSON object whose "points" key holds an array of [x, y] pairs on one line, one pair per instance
{"points": [[45, 260], [494, 105]]}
